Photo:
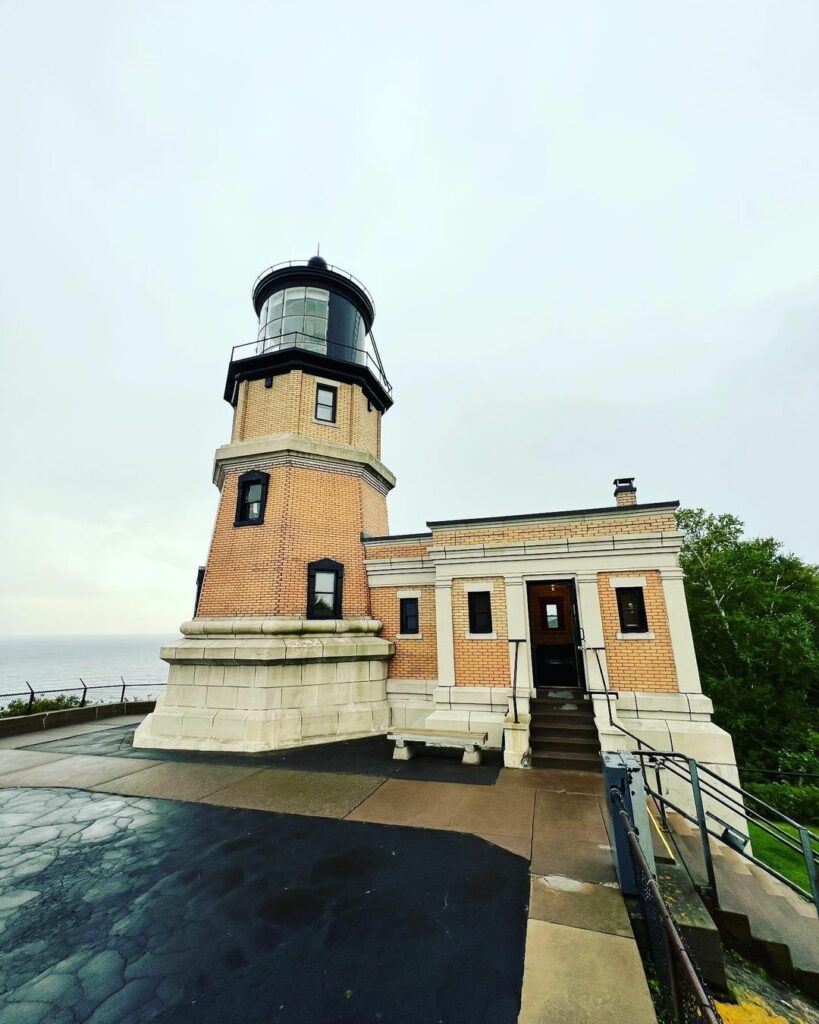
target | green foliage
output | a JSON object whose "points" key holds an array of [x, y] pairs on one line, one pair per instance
{"points": [[799, 802], [755, 618], [58, 703]]}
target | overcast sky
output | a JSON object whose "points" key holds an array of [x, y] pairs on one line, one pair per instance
{"points": [[591, 231]]}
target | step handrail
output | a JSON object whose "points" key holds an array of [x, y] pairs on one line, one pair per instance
{"points": [[669, 760]]}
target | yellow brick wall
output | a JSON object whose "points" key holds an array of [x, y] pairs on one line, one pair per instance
{"points": [[555, 530], [480, 662], [638, 664], [401, 549], [289, 405], [414, 659], [373, 512], [310, 514]]}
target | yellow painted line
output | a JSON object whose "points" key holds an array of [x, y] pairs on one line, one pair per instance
{"points": [[659, 832]]}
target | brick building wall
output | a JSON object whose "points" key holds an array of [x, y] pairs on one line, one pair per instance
{"points": [[480, 662], [656, 522], [414, 659], [646, 665], [373, 512], [289, 406], [401, 549], [310, 514]]}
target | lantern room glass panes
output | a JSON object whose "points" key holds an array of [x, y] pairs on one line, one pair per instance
{"points": [[295, 318], [313, 319]]}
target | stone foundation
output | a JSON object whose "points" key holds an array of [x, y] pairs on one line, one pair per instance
{"points": [[249, 685]]}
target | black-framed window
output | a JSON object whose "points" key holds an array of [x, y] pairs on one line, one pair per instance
{"points": [[325, 580], [409, 615], [631, 606], [326, 401], [480, 611], [251, 498]]}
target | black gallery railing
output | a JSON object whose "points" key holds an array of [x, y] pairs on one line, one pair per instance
{"points": [[120, 692]]}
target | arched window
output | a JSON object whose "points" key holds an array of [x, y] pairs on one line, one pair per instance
{"points": [[251, 498], [325, 579]]}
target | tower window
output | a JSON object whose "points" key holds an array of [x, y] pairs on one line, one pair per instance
{"points": [[631, 606], [324, 586], [480, 611], [251, 499], [409, 616], [326, 401]]}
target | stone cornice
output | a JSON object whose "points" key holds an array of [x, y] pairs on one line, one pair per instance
{"points": [[282, 448], [287, 625]]}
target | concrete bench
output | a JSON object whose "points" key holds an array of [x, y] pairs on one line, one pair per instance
{"points": [[472, 742]]}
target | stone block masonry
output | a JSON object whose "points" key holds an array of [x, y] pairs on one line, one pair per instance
{"points": [[263, 684]]}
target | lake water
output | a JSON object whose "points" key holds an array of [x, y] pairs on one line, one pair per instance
{"points": [[59, 662]]}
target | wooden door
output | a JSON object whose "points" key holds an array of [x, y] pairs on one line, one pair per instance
{"points": [[553, 634]]}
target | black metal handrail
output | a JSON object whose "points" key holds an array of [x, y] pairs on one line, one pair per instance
{"points": [[306, 263], [307, 343], [83, 688], [682, 991], [690, 771]]}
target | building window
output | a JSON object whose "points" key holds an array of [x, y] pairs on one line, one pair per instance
{"points": [[480, 611], [632, 608], [409, 616], [324, 584], [251, 499], [550, 615], [326, 403]]}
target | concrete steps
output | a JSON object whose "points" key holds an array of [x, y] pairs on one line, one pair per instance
{"points": [[562, 730], [757, 913]]}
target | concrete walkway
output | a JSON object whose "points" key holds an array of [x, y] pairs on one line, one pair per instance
{"points": [[581, 961]]}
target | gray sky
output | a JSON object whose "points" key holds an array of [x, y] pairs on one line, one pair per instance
{"points": [[591, 230]]}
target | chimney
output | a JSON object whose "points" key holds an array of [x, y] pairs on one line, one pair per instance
{"points": [[625, 493]]}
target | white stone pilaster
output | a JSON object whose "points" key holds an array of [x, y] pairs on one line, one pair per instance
{"points": [[443, 624], [517, 616], [682, 642], [591, 624]]}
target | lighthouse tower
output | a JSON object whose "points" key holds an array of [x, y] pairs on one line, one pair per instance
{"points": [[282, 649]]}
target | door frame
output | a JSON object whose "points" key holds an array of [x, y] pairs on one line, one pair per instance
{"points": [[571, 583]]}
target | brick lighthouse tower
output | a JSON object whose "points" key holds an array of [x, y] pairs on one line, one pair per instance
{"points": [[282, 649]]}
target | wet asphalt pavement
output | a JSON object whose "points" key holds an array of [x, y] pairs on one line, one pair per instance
{"points": [[125, 909]]}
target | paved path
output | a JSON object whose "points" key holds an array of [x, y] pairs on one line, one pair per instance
{"points": [[581, 962]]}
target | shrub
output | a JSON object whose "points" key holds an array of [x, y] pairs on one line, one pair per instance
{"points": [[58, 703], [799, 802]]}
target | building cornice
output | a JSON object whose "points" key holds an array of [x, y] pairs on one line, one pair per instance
{"points": [[296, 449], [570, 515]]}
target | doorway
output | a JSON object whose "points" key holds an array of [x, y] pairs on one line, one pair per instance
{"points": [[554, 631]]}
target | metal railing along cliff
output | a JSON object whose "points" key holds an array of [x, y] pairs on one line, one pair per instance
{"points": [[705, 782]]}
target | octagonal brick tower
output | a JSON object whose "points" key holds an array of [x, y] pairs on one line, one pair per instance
{"points": [[282, 649]]}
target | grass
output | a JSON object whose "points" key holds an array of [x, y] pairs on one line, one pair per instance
{"points": [[780, 857]]}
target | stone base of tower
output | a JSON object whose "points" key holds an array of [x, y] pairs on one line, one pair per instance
{"points": [[249, 685]]}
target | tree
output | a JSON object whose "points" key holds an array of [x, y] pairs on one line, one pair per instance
{"points": [[755, 618]]}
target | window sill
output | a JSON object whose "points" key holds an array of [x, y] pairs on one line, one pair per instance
{"points": [[636, 636], [480, 636], [248, 522], [409, 636], [326, 423]]}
